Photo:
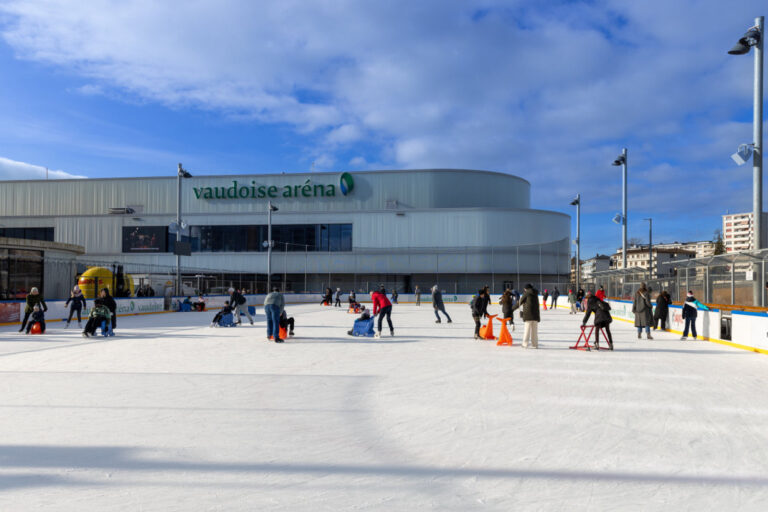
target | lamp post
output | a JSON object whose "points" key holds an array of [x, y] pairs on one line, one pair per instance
{"points": [[179, 175], [269, 243], [754, 37], [622, 161], [577, 203], [650, 248]]}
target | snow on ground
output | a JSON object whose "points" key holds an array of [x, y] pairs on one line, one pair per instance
{"points": [[173, 415]]}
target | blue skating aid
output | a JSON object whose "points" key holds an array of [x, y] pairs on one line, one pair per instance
{"points": [[227, 321], [363, 328]]}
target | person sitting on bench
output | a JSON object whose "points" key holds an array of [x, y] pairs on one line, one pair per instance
{"points": [[286, 322], [226, 310], [200, 304], [37, 316], [100, 313]]}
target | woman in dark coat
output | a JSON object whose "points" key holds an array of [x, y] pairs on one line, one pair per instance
{"points": [[78, 303], [661, 313], [110, 304], [480, 309], [507, 304], [603, 318], [643, 311]]}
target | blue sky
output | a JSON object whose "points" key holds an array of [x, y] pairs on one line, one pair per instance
{"points": [[550, 91]]}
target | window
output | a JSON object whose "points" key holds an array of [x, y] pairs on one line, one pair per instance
{"points": [[45, 234], [298, 237]]}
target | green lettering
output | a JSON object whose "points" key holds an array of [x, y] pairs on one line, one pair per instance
{"points": [[331, 191], [232, 191], [322, 190], [198, 191], [208, 193], [253, 189], [262, 192], [306, 190], [287, 191], [272, 191], [296, 190], [220, 192], [244, 189]]}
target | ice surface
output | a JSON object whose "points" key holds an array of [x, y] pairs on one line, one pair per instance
{"points": [[173, 415]]}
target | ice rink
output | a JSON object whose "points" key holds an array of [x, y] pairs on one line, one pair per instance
{"points": [[172, 415]]}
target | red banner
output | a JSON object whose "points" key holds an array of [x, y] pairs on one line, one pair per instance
{"points": [[10, 312]]}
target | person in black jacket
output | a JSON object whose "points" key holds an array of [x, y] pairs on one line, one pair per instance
{"points": [[34, 297], [507, 303], [37, 317], [603, 318], [480, 309], [531, 315], [110, 304], [287, 322], [220, 314], [438, 305], [78, 303], [327, 297], [237, 301], [661, 313]]}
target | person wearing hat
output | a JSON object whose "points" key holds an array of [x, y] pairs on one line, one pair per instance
{"points": [[438, 305], [338, 298], [37, 317], [690, 312], [34, 298], [78, 303]]}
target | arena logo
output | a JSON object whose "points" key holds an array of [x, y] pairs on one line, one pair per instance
{"points": [[255, 191]]}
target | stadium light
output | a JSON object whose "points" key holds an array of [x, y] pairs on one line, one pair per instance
{"points": [[621, 160]]}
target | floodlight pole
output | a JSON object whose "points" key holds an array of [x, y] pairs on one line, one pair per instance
{"points": [[269, 247], [178, 229], [650, 248], [757, 155], [624, 209], [577, 202]]}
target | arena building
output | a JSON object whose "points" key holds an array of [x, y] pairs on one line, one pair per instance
{"points": [[353, 230]]}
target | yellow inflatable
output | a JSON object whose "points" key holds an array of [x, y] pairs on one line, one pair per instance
{"points": [[88, 282]]}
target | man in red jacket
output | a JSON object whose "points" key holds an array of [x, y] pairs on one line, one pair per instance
{"points": [[382, 307]]}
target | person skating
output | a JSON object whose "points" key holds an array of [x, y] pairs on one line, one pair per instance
{"points": [[338, 298], [580, 299], [661, 313], [438, 305], [37, 317], [226, 310], [274, 303], [383, 308], [352, 299], [327, 297], [603, 318], [600, 293], [643, 311], [78, 303], [572, 302], [395, 295], [690, 312], [238, 302], [531, 315], [99, 313], [287, 322], [507, 307], [479, 306], [110, 304], [34, 297], [417, 292], [555, 296], [546, 296]]}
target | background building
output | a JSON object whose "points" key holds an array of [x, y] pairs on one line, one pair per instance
{"points": [[738, 231], [459, 228], [597, 264], [637, 257]]}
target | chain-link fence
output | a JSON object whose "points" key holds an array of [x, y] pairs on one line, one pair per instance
{"points": [[726, 279], [456, 270]]}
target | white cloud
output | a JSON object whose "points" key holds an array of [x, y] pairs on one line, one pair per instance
{"points": [[537, 89], [15, 170]]}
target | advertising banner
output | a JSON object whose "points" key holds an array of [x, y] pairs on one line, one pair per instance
{"points": [[10, 312]]}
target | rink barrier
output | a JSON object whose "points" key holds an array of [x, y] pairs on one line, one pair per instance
{"points": [[58, 312]]}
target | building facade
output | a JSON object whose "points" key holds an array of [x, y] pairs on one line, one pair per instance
{"points": [[461, 228], [739, 233], [599, 263], [637, 257]]}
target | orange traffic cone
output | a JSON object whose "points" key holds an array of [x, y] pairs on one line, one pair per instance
{"points": [[504, 337], [486, 331]]}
